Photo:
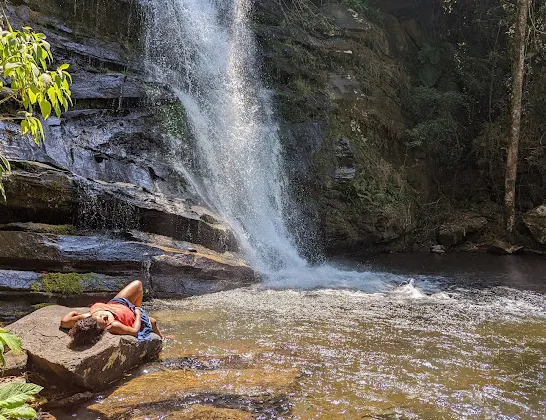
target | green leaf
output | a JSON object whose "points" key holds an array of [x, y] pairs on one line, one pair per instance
{"points": [[11, 340], [5, 167], [51, 94], [14, 394], [2, 359], [24, 126], [63, 66], [45, 108], [32, 96], [22, 412]]}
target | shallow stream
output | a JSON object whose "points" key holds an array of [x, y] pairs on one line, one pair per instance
{"points": [[433, 342]]}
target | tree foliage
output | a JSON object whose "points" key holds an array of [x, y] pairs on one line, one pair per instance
{"points": [[27, 87], [477, 69]]}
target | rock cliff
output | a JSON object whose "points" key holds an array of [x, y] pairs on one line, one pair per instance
{"points": [[106, 196]]}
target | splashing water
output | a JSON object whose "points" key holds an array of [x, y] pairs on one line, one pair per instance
{"points": [[206, 51]]}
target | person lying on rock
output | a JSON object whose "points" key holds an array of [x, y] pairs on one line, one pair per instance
{"points": [[121, 315]]}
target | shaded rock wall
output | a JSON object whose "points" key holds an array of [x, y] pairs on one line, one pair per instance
{"points": [[339, 79]]}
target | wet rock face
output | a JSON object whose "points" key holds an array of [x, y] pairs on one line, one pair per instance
{"points": [[123, 126], [345, 169], [108, 177], [338, 78], [535, 220], [92, 368], [115, 19], [41, 193]]}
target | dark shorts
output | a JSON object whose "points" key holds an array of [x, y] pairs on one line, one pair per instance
{"points": [[145, 332]]}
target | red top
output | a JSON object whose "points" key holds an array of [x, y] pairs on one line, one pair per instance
{"points": [[121, 312]]}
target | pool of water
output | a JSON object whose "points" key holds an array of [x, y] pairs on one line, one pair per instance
{"points": [[425, 343]]}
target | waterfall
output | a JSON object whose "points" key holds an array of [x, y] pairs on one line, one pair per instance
{"points": [[206, 51]]}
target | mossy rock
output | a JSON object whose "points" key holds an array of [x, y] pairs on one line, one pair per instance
{"points": [[65, 284]]}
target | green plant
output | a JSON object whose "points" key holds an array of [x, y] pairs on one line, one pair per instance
{"points": [[13, 398], [11, 341], [437, 106], [27, 85]]}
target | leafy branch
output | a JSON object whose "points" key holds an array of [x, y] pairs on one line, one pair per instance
{"points": [[26, 82]]}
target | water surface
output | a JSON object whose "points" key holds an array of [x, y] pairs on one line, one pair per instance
{"points": [[449, 343]]}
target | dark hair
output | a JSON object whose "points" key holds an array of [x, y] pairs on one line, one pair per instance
{"points": [[86, 332]]}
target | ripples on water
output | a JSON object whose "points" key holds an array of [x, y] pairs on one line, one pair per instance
{"points": [[398, 348]]}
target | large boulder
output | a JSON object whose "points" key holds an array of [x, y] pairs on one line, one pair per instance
{"points": [[452, 233], [535, 220], [194, 273], [94, 367]]}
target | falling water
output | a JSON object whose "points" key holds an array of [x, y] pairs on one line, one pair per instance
{"points": [[206, 51]]}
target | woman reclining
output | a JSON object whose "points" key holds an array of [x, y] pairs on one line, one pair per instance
{"points": [[122, 316]]}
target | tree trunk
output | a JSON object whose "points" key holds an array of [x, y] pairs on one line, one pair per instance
{"points": [[517, 93]]}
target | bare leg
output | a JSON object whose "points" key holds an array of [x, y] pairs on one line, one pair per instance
{"points": [[155, 328], [132, 292]]}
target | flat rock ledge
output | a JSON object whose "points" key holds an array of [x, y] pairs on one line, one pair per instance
{"points": [[93, 368]]}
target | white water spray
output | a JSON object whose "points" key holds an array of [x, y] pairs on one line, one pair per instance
{"points": [[206, 51]]}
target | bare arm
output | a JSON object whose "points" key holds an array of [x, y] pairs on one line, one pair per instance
{"points": [[70, 319], [118, 328]]}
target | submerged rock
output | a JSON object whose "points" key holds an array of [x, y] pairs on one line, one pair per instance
{"points": [[196, 412], [94, 367], [247, 388], [535, 220]]}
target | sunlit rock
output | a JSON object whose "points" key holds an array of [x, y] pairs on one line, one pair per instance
{"points": [[193, 273], [94, 367], [438, 249], [76, 266], [503, 248], [15, 363]]}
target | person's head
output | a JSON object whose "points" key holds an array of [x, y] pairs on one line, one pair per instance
{"points": [[104, 318], [87, 331]]}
